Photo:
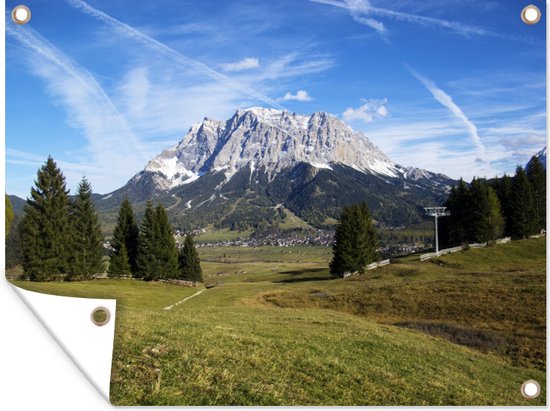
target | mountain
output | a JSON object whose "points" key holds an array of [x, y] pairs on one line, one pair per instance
{"points": [[17, 203], [541, 155], [263, 165]]}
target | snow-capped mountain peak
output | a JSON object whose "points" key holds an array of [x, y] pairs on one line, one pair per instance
{"points": [[269, 141]]}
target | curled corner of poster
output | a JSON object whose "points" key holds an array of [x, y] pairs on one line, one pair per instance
{"points": [[68, 320]]}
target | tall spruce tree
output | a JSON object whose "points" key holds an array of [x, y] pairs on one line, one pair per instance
{"points": [[120, 264], [167, 253], [87, 236], [496, 217], [355, 241], [148, 265], [537, 177], [189, 262], [478, 212], [46, 227], [126, 233], [503, 188], [458, 204], [522, 221], [9, 215]]}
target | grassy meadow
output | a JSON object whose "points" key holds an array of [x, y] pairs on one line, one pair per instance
{"points": [[273, 329]]}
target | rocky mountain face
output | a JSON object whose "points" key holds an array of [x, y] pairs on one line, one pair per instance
{"points": [[264, 166], [541, 155]]}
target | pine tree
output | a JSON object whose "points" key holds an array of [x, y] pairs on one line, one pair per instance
{"points": [[46, 226], [126, 233], [537, 177], [189, 262], [522, 221], [343, 260], [503, 189], [370, 251], [87, 237], [355, 241], [496, 218], [167, 253], [148, 266], [479, 212], [459, 204], [120, 264], [475, 213], [9, 216]]}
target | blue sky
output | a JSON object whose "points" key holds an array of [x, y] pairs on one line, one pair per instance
{"points": [[453, 86]]}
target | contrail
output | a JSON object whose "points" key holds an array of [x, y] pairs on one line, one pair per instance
{"points": [[445, 100], [139, 36], [361, 8]]}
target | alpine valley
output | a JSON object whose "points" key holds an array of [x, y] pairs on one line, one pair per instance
{"points": [[264, 167]]}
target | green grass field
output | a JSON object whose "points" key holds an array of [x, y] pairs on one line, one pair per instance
{"points": [[212, 235], [465, 329]]}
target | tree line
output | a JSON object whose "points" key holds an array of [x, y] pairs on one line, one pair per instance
{"points": [[481, 211], [149, 252], [486, 210], [59, 238]]}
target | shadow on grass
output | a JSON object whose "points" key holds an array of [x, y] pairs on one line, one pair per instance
{"points": [[305, 271], [482, 340], [310, 274], [303, 279]]}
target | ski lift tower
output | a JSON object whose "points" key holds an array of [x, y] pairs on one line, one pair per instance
{"points": [[437, 212]]}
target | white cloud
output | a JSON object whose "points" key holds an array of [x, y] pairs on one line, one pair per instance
{"points": [[301, 95], [445, 100], [244, 64], [368, 112], [160, 103]]}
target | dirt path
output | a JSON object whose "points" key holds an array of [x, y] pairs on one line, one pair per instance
{"points": [[184, 300]]}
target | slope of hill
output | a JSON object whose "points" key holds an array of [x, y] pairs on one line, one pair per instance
{"points": [[466, 329], [17, 203]]}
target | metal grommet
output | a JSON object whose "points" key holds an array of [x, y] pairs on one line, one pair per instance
{"points": [[531, 14], [100, 316], [21, 14], [530, 389]]}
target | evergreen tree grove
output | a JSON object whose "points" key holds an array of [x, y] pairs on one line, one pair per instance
{"points": [[522, 209], [537, 177], [514, 207], [87, 237], [355, 241], [157, 255], [189, 262], [126, 234], [458, 204], [476, 214], [503, 188], [46, 227]]}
